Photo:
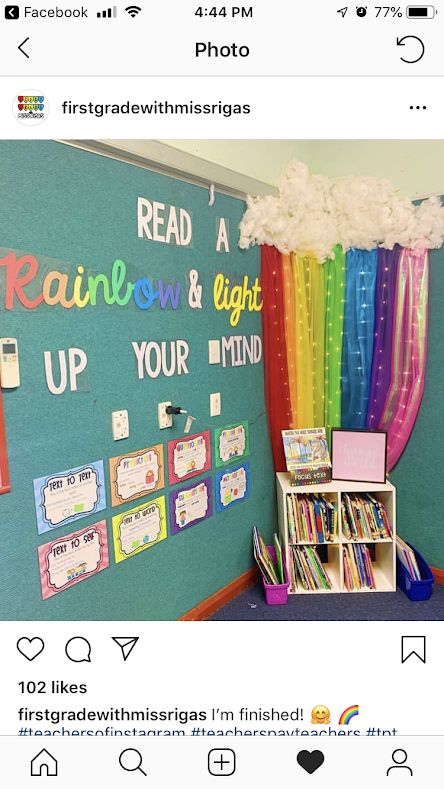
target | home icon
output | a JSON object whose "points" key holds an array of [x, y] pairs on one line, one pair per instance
{"points": [[43, 764]]}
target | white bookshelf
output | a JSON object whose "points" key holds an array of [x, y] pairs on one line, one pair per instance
{"points": [[384, 563]]}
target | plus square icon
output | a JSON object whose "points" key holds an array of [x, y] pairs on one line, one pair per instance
{"points": [[221, 761]]}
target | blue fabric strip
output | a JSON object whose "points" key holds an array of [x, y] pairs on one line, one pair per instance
{"points": [[358, 338]]}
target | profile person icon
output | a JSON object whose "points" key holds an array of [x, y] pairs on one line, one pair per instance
{"points": [[399, 757]]}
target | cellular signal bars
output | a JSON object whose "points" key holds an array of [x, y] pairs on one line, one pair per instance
{"points": [[108, 13]]}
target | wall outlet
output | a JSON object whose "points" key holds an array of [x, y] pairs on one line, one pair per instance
{"points": [[165, 420], [120, 425], [215, 404]]}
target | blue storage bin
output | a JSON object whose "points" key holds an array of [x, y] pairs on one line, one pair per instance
{"points": [[415, 590]]}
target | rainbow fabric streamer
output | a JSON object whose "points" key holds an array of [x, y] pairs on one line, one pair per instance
{"points": [[348, 714], [345, 342]]}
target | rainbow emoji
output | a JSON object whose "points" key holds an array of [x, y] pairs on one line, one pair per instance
{"points": [[348, 714]]}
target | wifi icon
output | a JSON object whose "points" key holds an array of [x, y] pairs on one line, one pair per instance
{"points": [[133, 10]]}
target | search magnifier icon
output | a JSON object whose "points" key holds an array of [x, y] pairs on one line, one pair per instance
{"points": [[131, 760]]}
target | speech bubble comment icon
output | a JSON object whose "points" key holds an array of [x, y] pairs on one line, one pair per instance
{"points": [[78, 649]]}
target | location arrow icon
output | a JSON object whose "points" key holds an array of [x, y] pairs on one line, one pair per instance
{"points": [[126, 644]]}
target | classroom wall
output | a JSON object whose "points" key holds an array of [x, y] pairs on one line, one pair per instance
{"points": [[69, 207], [260, 159], [83, 211], [415, 167], [419, 474]]}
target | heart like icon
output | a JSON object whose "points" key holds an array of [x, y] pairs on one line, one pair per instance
{"points": [[30, 648], [310, 761]]}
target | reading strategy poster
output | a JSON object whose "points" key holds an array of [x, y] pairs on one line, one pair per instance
{"points": [[232, 486], [136, 474], [69, 495], [232, 443], [190, 505], [73, 558], [189, 456], [140, 528]]}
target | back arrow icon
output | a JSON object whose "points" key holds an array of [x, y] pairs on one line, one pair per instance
{"points": [[22, 50], [401, 43]]}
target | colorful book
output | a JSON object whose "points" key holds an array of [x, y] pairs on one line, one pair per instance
{"points": [[358, 570], [311, 518], [307, 455], [308, 571], [279, 559], [272, 570], [407, 557], [364, 518]]}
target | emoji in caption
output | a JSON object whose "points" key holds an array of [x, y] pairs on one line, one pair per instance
{"points": [[320, 714], [348, 714]]}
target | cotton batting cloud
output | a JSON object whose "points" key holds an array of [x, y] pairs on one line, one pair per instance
{"points": [[314, 212]]}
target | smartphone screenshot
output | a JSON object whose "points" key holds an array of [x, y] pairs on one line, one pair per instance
{"points": [[221, 410]]}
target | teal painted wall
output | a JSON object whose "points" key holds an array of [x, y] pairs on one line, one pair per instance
{"points": [[63, 204], [419, 474]]}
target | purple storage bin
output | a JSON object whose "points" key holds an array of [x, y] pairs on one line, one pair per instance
{"points": [[276, 594]]}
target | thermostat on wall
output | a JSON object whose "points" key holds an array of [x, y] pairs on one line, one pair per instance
{"points": [[9, 363]]}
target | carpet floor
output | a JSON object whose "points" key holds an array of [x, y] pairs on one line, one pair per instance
{"points": [[380, 606]]}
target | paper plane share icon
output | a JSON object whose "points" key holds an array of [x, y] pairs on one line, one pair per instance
{"points": [[126, 644]]}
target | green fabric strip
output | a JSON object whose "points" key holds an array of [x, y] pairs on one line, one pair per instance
{"points": [[334, 278]]}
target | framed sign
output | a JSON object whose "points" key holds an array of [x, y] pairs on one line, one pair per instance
{"points": [[359, 455]]}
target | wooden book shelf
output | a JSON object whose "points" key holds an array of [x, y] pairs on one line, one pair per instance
{"points": [[382, 551]]}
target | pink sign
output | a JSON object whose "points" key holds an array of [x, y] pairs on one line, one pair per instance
{"points": [[359, 455], [71, 559], [189, 456]]}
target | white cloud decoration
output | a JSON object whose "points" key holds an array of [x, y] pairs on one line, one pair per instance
{"points": [[315, 212]]}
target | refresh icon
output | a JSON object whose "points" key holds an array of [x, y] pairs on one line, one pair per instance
{"points": [[401, 42]]}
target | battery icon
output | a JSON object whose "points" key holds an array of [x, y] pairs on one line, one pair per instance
{"points": [[420, 11]]}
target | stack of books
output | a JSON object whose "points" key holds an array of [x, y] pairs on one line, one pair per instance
{"points": [[307, 570], [358, 571], [311, 518], [272, 570], [407, 556], [364, 517]]}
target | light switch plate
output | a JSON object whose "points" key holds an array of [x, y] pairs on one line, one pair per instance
{"points": [[165, 420], [215, 404], [213, 352], [120, 425]]}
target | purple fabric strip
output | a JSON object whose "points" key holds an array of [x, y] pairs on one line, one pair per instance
{"points": [[388, 262]]}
